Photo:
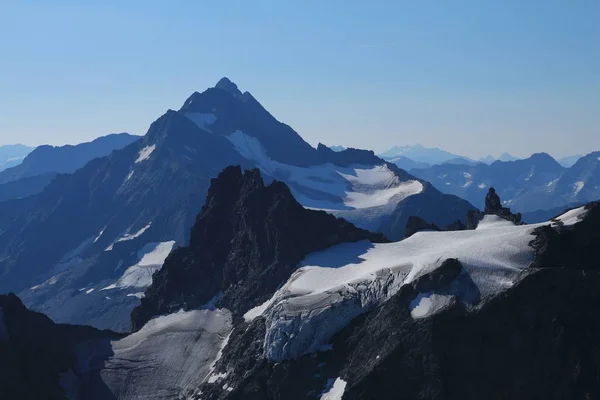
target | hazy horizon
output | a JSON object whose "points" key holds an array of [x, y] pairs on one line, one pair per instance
{"points": [[475, 79]]}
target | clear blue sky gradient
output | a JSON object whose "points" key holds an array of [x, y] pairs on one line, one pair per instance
{"points": [[473, 77]]}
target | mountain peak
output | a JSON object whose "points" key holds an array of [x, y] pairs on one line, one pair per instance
{"points": [[227, 85], [248, 238]]}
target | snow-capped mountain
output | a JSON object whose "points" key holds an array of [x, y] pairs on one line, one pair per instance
{"points": [[12, 155], [536, 183], [513, 180], [284, 302], [120, 216], [420, 154], [507, 157]]}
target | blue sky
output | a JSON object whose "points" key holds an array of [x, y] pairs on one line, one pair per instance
{"points": [[473, 77]]}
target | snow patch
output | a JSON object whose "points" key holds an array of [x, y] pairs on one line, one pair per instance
{"points": [[257, 311], [578, 186], [129, 236], [215, 377], [570, 218], [99, 235], [482, 186], [334, 390], [363, 195], [468, 179], [139, 295], [89, 291], [129, 176], [145, 153], [530, 175], [151, 256], [427, 304]]}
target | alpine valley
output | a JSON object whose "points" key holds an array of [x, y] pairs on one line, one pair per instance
{"points": [[220, 256]]}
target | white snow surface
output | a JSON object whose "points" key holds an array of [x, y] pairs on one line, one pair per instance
{"points": [[99, 235], [334, 286], [129, 236], [361, 194], [427, 304], [334, 390], [578, 186], [145, 153], [468, 179], [571, 217], [170, 356], [151, 256]]}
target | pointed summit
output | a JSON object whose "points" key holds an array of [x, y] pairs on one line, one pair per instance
{"points": [[228, 86]]}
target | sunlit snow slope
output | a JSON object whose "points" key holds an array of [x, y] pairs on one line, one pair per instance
{"points": [[169, 356], [361, 194], [334, 286]]}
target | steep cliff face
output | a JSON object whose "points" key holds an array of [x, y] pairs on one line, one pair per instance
{"points": [[246, 242], [41, 359], [536, 338]]}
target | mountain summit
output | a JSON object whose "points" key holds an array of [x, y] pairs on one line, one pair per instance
{"points": [[228, 86], [120, 216]]}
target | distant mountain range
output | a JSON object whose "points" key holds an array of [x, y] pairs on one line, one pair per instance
{"points": [[536, 183], [239, 262], [270, 300], [41, 165], [11, 155], [119, 216], [409, 156]]}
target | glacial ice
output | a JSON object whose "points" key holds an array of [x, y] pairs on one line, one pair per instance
{"points": [[334, 286]]}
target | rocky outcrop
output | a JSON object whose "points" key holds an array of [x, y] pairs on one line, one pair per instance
{"points": [[347, 156], [246, 242], [40, 358], [539, 339], [493, 206], [576, 248], [416, 224]]}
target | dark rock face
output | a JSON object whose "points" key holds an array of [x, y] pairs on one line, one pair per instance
{"points": [[417, 224], [430, 205], [25, 187], [247, 241], [492, 202], [493, 206], [539, 339], [39, 355], [347, 156], [168, 190], [521, 345], [577, 248]]}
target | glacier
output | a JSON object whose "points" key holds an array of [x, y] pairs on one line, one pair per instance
{"points": [[170, 356], [361, 194], [332, 287]]}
